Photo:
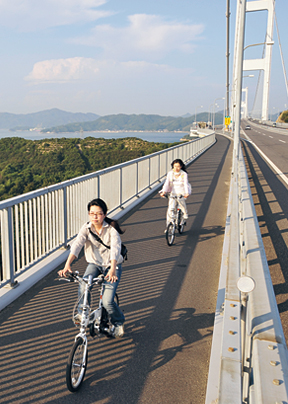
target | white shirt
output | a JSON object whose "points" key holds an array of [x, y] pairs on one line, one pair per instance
{"points": [[176, 185], [95, 252]]}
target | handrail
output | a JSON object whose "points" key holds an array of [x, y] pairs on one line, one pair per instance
{"points": [[35, 224]]}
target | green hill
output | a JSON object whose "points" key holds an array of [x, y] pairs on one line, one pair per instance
{"points": [[27, 165], [122, 122], [283, 117]]}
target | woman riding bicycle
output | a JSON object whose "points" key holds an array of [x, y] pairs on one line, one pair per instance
{"points": [[177, 185], [100, 259]]}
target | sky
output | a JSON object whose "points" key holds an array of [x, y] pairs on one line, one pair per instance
{"points": [[165, 57]]}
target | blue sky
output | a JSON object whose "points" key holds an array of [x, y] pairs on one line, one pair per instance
{"points": [[162, 57]]}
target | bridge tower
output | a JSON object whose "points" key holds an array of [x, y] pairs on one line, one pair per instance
{"points": [[265, 62]]}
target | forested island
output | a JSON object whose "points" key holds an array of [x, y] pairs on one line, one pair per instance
{"points": [[27, 165], [142, 122]]}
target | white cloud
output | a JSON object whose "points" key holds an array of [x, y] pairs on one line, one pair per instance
{"points": [[31, 15], [108, 86], [145, 36], [63, 70], [91, 70]]}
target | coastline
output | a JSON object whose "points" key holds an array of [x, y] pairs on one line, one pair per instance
{"points": [[119, 131], [150, 136]]}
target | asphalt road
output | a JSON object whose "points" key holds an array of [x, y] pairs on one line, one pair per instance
{"points": [[272, 141], [270, 195], [168, 295]]}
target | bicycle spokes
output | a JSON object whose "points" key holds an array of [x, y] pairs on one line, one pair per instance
{"points": [[77, 365], [170, 234]]}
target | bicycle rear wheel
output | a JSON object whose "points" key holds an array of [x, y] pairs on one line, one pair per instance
{"points": [[170, 234], [76, 365]]}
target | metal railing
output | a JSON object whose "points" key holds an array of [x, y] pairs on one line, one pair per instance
{"points": [[35, 224], [249, 359]]}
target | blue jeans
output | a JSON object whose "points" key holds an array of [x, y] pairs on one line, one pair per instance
{"points": [[116, 315]]}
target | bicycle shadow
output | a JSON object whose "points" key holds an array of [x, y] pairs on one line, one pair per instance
{"points": [[184, 329]]}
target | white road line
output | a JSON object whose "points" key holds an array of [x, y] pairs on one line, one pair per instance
{"points": [[279, 172], [271, 137], [283, 141]]}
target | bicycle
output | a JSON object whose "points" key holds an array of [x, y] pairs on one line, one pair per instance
{"points": [[96, 322], [177, 222]]}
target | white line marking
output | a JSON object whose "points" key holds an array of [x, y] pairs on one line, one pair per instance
{"points": [[271, 137], [279, 172], [283, 141]]}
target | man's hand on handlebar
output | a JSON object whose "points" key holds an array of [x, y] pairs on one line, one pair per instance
{"points": [[64, 271], [111, 274], [162, 194], [67, 267]]}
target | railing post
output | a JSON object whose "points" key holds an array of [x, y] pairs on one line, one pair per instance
{"points": [[137, 179], [65, 222], [7, 236], [149, 173], [120, 188]]}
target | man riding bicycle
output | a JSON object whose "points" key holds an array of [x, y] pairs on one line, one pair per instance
{"points": [[100, 259]]}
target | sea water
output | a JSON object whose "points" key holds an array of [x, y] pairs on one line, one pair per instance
{"points": [[165, 137]]}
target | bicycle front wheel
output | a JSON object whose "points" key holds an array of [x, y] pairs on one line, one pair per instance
{"points": [[170, 234], [76, 365]]}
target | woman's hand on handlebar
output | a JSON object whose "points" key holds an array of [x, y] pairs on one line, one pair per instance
{"points": [[162, 194]]}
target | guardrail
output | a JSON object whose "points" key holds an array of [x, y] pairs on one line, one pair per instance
{"points": [[280, 125], [249, 359], [38, 223]]}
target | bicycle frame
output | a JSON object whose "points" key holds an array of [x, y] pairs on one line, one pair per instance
{"points": [[176, 208], [85, 311]]}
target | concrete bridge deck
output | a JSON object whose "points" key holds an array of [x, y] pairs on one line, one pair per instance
{"points": [[168, 295]]}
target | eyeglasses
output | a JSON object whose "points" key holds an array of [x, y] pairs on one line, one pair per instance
{"points": [[96, 214]]}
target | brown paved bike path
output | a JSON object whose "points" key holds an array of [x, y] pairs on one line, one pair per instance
{"points": [[168, 295]]}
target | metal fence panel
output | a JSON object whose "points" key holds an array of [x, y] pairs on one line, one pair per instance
{"points": [[128, 182], [143, 175]]}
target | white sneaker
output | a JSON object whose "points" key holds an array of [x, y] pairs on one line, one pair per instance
{"points": [[118, 331]]}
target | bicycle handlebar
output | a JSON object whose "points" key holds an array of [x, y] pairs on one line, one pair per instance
{"points": [[173, 196], [74, 277]]}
